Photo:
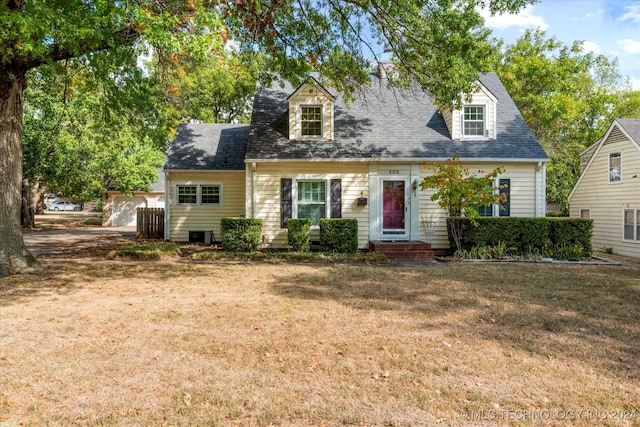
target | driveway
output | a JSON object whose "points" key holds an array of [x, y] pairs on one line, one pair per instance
{"points": [[48, 241]]}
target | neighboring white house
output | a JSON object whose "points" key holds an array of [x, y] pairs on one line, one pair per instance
{"points": [[120, 210], [608, 190]]}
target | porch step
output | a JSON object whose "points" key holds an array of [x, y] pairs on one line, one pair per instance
{"points": [[402, 249]]}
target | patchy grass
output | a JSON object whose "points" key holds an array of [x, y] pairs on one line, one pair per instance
{"points": [[317, 257], [148, 251], [257, 344]]}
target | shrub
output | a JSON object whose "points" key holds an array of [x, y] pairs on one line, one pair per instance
{"points": [[241, 234], [299, 234], [339, 235], [526, 236]]}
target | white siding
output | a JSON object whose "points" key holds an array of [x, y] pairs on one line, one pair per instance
{"points": [[185, 218], [354, 178], [522, 191], [606, 200]]}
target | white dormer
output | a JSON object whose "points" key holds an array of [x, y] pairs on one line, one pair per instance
{"points": [[476, 119], [311, 112]]}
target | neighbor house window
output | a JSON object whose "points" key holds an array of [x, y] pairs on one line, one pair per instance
{"points": [[202, 194], [631, 227], [187, 194], [312, 200], [311, 121], [615, 167], [585, 213], [473, 121]]}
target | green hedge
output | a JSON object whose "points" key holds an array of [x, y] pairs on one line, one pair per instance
{"points": [[241, 234], [299, 234], [522, 236], [339, 235]]}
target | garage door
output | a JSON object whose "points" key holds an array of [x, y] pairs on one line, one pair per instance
{"points": [[124, 210]]}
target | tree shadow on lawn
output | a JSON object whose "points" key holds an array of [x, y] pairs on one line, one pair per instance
{"points": [[68, 276], [590, 314]]}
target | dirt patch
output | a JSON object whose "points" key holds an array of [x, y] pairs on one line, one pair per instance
{"points": [[65, 221]]}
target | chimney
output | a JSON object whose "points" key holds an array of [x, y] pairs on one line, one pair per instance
{"points": [[382, 70]]}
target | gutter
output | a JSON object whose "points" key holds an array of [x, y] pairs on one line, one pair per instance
{"points": [[401, 160]]}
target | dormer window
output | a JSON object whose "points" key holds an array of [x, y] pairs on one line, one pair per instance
{"points": [[473, 121], [311, 121], [311, 112]]}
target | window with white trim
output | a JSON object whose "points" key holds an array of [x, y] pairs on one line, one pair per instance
{"points": [[585, 213], [312, 200], [199, 194], [473, 121], [210, 194], [615, 167], [187, 194], [311, 121], [631, 225]]}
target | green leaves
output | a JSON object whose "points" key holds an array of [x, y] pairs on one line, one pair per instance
{"points": [[565, 95], [460, 192]]}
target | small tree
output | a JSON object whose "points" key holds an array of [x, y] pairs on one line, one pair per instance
{"points": [[461, 193]]}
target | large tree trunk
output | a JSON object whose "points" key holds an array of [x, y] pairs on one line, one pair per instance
{"points": [[14, 256]]}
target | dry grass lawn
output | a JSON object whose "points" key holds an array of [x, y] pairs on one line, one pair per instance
{"points": [[258, 344]]}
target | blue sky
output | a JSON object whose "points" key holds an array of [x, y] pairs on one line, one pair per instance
{"points": [[609, 27]]}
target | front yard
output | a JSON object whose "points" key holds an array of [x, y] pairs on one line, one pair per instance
{"points": [[266, 343]]}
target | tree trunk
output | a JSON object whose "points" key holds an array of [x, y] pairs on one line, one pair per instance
{"points": [[27, 213], [32, 203], [14, 256]]}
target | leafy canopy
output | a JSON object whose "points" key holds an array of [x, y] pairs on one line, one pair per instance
{"points": [[567, 97], [441, 44]]}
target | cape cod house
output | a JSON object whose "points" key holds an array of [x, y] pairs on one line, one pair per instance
{"points": [[608, 190], [307, 153]]}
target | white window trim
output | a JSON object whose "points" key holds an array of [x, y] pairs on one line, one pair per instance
{"points": [[619, 181], [299, 106], [486, 135], [585, 209], [311, 178], [198, 186], [636, 220]]}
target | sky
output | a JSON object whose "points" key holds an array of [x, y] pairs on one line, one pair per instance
{"points": [[608, 27]]}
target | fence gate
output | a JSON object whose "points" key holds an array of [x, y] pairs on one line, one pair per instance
{"points": [[150, 223]]}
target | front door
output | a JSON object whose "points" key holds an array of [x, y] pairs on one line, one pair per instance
{"points": [[394, 209]]}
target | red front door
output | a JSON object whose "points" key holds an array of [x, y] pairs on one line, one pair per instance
{"points": [[393, 198]]}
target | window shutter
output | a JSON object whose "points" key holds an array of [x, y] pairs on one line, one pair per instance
{"points": [[285, 201], [506, 206], [336, 198]]}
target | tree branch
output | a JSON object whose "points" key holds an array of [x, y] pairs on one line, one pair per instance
{"points": [[59, 53]]}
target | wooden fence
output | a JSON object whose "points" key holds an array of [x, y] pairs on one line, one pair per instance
{"points": [[150, 223]]}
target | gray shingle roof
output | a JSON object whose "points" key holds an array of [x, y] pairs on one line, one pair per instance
{"points": [[208, 147], [388, 124], [632, 127], [160, 183]]}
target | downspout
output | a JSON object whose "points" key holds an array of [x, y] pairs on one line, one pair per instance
{"points": [[254, 191], [167, 204], [537, 191], [544, 189]]}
